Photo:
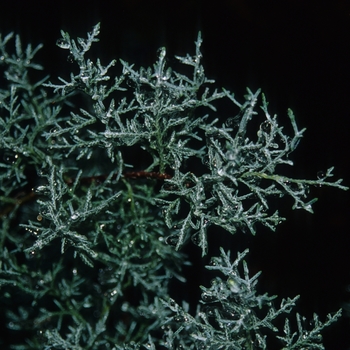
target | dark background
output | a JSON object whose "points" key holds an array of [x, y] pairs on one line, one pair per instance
{"points": [[298, 52]]}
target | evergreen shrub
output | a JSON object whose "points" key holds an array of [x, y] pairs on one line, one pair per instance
{"points": [[105, 178]]}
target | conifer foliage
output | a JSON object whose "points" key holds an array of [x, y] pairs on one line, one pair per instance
{"points": [[91, 234]]}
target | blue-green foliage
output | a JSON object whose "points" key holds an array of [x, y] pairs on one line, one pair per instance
{"points": [[90, 241]]}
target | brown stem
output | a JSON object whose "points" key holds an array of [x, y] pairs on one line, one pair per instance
{"points": [[23, 197]]}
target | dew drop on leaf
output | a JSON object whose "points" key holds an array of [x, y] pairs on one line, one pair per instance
{"points": [[88, 302], [265, 126], [75, 216], [125, 306], [63, 44], [196, 239], [212, 262], [205, 160], [178, 318], [172, 302], [9, 157], [172, 240], [84, 77], [321, 174], [70, 58], [207, 297], [11, 325], [221, 172], [233, 121]]}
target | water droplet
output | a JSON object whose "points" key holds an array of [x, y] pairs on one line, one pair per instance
{"points": [[207, 297], [70, 58], [63, 43], [12, 325], [212, 262], [172, 240], [206, 160], [109, 113], [321, 175], [75, 271], [84, 77], [87, 302], [233, 121], [172, 302], [167, 74], [10, 157], [75, 216], [265, 126], [113, 295], [41, 190], [233, 285], [125, 306], [196, 239]]}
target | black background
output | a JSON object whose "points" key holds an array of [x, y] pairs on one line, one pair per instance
{"points": [[298, 52]]}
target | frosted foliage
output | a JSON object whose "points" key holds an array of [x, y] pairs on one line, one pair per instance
{"points": [[98, 197]]}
